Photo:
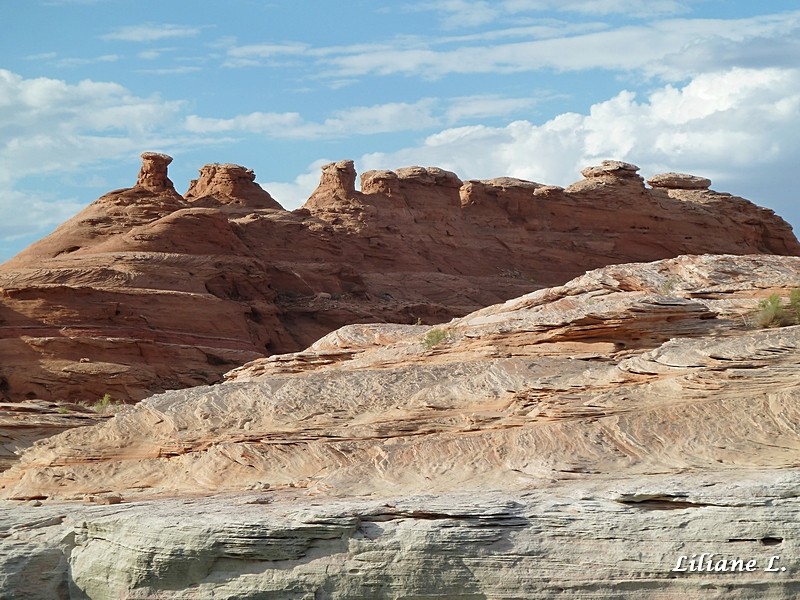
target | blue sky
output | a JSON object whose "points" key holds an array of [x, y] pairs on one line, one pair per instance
{"points": [[535, 89]]}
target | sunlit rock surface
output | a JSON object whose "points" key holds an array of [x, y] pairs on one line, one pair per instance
{"points": [[576, 441], [146, 290]]}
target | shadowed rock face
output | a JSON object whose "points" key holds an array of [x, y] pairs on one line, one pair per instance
{"points": [[582, 437], [147, 290]]}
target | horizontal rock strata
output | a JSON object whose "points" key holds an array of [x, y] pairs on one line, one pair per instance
{"points": [[578, 440], [147, 290], [614, 537]]}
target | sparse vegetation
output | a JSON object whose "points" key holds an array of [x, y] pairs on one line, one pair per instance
{"points": [[772, 313], [105, 404], [435, 337], [794, 304], [667, 287]]}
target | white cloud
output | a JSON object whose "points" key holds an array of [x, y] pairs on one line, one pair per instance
{"points": [[464, 13], [672, 48], [150, 54], [259, 54], [80, 62], [28, 214], [294, 194], [365, 120], [728, 125], [485, 106], [472, 13], [151, 32], [359, 120], [56, 111], [266, 50], [630, 8], [270, 123], [68, 62], [739, 127], [42, 56], [171, 70], [48, 126]]}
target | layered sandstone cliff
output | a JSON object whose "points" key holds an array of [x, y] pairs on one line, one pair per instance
{"points": [[576, 441], [147, 290]]}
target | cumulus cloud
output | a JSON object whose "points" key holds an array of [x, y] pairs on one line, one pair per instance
{"points": [[728, 125], [293, 194], [739, 127], [48, 126]]}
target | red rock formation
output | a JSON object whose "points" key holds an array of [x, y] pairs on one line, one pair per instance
{"points": [[146, 290], [228, 185], [153, 174]]}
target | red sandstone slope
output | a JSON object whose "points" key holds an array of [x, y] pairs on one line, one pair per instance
{"points": [[147, 290]]}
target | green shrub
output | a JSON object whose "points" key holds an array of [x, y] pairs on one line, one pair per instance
{"points": [[105, 404], [772, 313], [435, 337], [794, 305]]}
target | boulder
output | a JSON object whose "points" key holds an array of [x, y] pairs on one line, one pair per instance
{"points": [[679, 181]]}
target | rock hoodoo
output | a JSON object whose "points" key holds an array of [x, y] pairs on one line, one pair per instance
{"points": [[228, 185], [158, 291], [153, 174]]}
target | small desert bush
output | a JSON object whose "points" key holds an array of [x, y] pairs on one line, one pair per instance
{"points": [[435, 337], [772, 313], [105, 404], [794, 305]]}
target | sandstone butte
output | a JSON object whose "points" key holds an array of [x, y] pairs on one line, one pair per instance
{"points": [[147, 290], [594, 439]]}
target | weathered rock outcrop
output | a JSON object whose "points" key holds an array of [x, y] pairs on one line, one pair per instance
{"points": [[595, 537], [228, 184], [679, 181], [153, 174], [578, 440], [147, 290], [22, 423]]}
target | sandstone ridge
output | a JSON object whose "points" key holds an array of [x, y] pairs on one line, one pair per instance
{"points": [[147, 290], [577, 440]]}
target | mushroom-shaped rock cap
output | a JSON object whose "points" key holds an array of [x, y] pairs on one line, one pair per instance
{"points": [[153, 174], [679, 181], [339, 175], [611, 167]]}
